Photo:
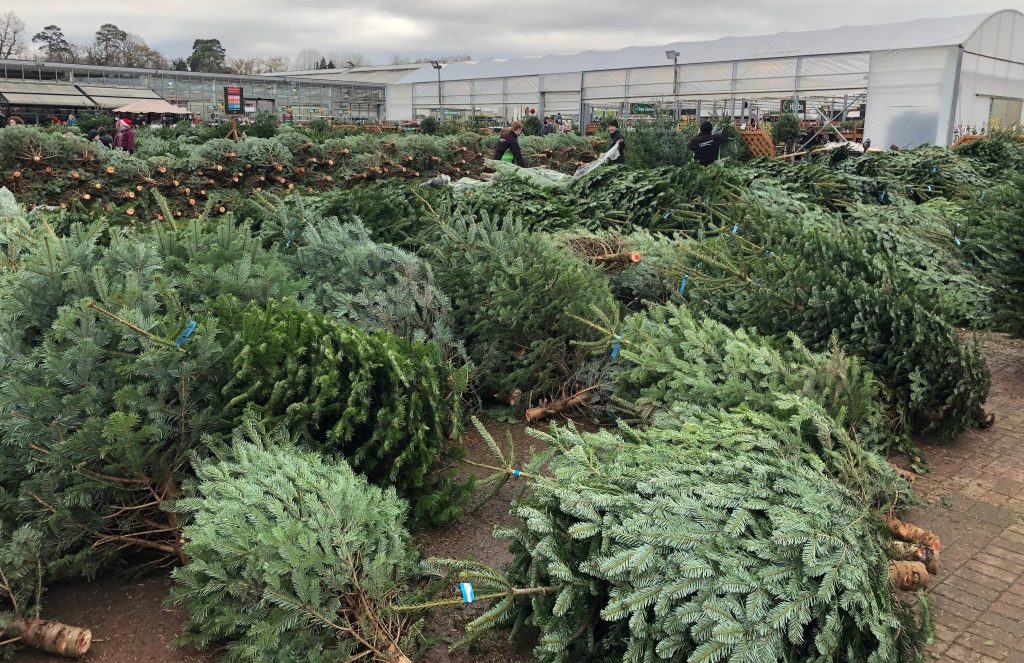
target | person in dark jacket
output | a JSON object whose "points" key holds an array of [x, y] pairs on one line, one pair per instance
{"points": [[104, 138], [616, 136], [706, 146], [509, 142]]}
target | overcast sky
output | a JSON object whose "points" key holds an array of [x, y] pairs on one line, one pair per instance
{"points": [[479, 28]]}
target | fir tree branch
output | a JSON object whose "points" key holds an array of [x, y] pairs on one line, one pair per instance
{"points": [[512, 592], [135, 328]]}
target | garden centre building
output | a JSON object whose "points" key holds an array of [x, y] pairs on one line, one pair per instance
{"points": [[38, 90], [911, 82]]}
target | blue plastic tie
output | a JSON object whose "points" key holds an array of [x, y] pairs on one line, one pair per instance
{"points": [[468, 595], [516, 473], [929, 187], [615, 347], [935, 169], [667, 214], [185, 333], [735, 228], [769, 254], [956, 240], [882, 196], [682, 286]]}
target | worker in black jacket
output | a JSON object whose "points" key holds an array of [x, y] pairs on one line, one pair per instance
{"points": [[508, 144], [706, 146], [616, 136]]}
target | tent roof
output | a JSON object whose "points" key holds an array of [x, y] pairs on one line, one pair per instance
{"points": [[35, 93], [143, 106], [113, 97], [919, 33]]}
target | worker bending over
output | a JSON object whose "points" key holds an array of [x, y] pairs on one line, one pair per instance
{"points": [[508, 145]]}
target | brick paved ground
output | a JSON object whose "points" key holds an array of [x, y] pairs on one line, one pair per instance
{"points": [[975, 502]]}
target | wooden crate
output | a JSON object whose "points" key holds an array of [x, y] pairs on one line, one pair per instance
{"points": [[758, 142], [967, 139]]}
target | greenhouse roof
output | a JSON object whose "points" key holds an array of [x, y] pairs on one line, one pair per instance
{"points": [[919, 33]]}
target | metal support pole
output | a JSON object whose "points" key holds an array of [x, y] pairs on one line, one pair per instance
{"points": [[828, 123], [675, 87], [440, 103]]}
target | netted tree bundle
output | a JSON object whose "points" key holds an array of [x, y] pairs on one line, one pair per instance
{"points": [[519, 301], [374, 286], [818, 280], [390, 406], [266, 154], [102, 408], [671, 361], [291, 556], [710, 542]]}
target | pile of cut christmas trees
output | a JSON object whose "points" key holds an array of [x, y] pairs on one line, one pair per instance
{"points": [[64, 170], [270, 400]]}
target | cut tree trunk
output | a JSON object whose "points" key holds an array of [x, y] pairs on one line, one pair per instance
{"points": [[53, 637], [908, 576], [542, 412], [906, 474], [911, 533], [911, 552]]}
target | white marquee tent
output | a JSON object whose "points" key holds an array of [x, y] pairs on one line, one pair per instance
{"points": [[917, 79]]}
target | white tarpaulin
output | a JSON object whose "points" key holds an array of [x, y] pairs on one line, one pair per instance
{"points": [[157, 106]]}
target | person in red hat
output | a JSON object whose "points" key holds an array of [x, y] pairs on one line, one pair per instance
{"points": [[124, 137]]}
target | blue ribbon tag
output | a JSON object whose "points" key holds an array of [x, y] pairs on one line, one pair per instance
{"points": [[667, 214], [468, 595], [769, 254], [682, 286], [956, 240], [735, 228], [929, 187], [185, 333], [882, 196], [615, 347], [516, 473], [935, 169]]}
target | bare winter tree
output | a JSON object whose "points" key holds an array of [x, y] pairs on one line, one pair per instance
{"points": [[306, 59], [276, 64], [12, 30], [348, 60], [252, 66]]}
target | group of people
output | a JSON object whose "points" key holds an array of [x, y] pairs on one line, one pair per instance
{"points": [[706, 146], [123, 138], [555, 125]]}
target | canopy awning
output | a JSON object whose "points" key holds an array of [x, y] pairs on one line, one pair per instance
{"points": [[51, 100], [159, 106], [33, 93]]}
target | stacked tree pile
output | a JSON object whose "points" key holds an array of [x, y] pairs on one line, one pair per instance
{"points": [[717, 540]]}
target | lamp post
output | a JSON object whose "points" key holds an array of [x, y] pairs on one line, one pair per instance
{"points": [[440, 104], [674, 56]]}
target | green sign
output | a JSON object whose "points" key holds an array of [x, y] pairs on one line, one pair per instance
{"points": [[795, 106], [642, 109]]}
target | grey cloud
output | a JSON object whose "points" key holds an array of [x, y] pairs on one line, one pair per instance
{"points": [[535, 27]]}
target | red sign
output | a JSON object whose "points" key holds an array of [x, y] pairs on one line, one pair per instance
{"points": [[233, 100]]}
